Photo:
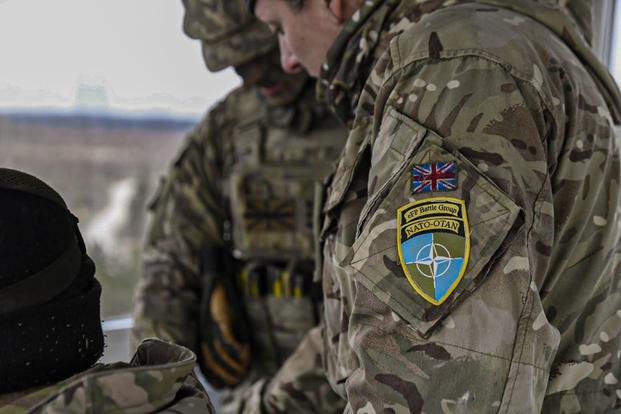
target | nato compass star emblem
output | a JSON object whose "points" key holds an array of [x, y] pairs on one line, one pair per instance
{"points": [[433, 260], [433, 240]]}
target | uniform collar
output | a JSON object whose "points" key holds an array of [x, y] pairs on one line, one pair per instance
{"points": [[361, 42], [351, 57], [367, 34]]}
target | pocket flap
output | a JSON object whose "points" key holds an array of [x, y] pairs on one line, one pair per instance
{"points": [[410, 244]]}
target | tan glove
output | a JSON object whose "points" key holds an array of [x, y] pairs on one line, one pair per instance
{"points": [[225, 344]]}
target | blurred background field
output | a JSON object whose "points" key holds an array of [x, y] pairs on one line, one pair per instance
{"points": [[107, 168], [95, 98]]}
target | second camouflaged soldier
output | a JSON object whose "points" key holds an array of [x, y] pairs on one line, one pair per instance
{"points": [[233, 219]]}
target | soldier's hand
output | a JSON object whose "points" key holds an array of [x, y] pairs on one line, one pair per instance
{"points": [[225, 351]]}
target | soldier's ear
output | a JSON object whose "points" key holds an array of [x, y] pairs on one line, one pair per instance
{"points": [[337, 8]]}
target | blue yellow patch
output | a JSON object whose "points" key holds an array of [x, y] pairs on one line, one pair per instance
{"points": [[433, 240]]}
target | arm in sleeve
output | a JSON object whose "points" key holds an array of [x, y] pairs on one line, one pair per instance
{"points": [[446, 315], [186, 216], [299, 386]]}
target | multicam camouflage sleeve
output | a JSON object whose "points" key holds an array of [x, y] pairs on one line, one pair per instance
{"points": [[406, 356], [159, 379], [300, 385], [481, 273], [186, 216]]}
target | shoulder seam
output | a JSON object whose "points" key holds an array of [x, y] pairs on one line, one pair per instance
{"points": [[518, 76], [400, 65]]}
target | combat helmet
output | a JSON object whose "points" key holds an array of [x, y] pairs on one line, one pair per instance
{"points": [[230, 35]]}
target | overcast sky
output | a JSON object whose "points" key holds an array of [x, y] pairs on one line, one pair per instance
{"points": [[127, 55], [120, 55]]}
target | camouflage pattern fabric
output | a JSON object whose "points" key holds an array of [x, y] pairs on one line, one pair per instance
{"points": [[299, 386], [229, 34], [510, 93], [158, 379], [243, 182], [312, 391]]}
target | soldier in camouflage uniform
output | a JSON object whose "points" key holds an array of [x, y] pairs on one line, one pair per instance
{"points": [[471, 231], [50, 322], [158, 379], [237, 206]]}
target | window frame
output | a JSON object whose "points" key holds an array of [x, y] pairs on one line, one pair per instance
{"points": [[604, 30]]}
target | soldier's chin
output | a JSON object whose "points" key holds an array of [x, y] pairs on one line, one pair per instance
{"points": [[272, 91], [285, 91], [278, 94]]}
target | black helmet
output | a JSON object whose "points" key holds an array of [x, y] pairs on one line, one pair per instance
{"points": [[49, 297]]}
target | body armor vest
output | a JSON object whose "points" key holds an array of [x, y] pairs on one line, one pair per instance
{"points": [[271, 188], [271, 167]]}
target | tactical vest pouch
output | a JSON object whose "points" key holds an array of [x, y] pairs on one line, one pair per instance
{"points": [[291, 318], [272, 210], [281, 309], [292, 304]]}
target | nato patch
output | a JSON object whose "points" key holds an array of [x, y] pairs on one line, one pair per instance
{"points": [[434, 176], [433, 240]]}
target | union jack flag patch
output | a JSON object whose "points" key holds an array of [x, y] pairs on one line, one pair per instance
{"points": [[435, 176]]}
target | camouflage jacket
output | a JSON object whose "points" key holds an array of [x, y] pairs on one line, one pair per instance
{"points": [[243, 182], [299, 386], [158, 379], [471, 253]]}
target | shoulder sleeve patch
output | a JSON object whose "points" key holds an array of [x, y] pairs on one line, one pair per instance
{"points": [[424, 244], [433, 242]]}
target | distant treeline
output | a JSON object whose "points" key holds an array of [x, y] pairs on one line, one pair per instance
{"points": [[102, 120]]}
